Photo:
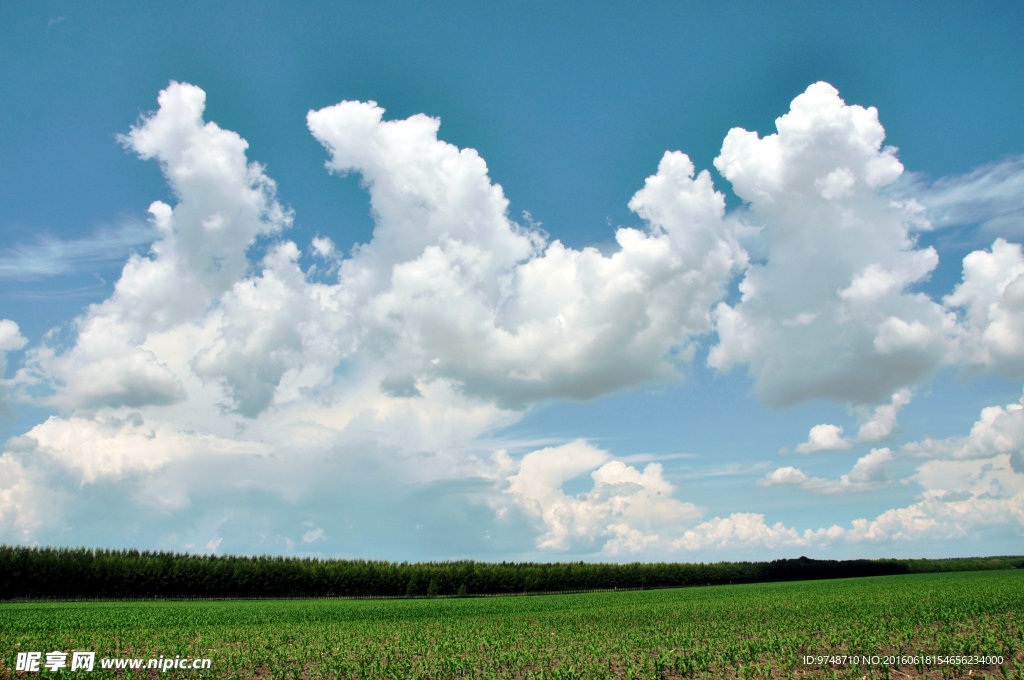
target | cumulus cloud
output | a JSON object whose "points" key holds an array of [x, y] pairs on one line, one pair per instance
{"points": [[998, 430], [784, 476], [875, 425], [625, 506], [830, 311], [969, 484], [22, 508], [306, 390], [749, 530], [869, 472], [989, 500], [970, 487], [256, 333], [450, 287], [11, 340], [223, 204], [824, 437], [882, 421], [10, 336], [323, 246], [991, 298]]}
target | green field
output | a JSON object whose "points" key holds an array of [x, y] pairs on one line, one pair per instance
{"points": [[740, 631]]}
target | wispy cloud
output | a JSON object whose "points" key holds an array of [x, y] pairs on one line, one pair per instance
{"points": [[49, 256], [991, 196], [726, 470]]}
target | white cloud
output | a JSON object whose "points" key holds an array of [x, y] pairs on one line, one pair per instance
{"points": [[257, 332], [450, 287], [784, 476], [991, 196], [945, 516], [998, 430], [828, 312], [11, 340], [875, 425], [956, 499], [47, 256], [970, 484], [224, 201], [871, 471], [313, 535], [991, 296], [882, 422], [213, 392], [323, 246], [111, 447], [24, 500], [223, 204], [626, 506], [740, 529], [10, 336], [824, 437]]}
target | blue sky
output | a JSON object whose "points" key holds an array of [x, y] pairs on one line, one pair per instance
{"points": [[525, 281]]}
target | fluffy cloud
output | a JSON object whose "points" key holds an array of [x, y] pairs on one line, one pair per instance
{"points": [[991, 296], [220, 378], [945, 516], [998, 430], [10, 336], [450, 287], [875, 425], [784, 476], [824, 437], [263, 327], [829, 309], [223, 204], [111, 447], [869, 472], [626, 506], [749, 530], [11, 340], [26, 502], [972, 484], [882, 422], [828, 312]]}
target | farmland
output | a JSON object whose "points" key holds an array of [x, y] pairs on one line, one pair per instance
{"points": [[762, 630]]}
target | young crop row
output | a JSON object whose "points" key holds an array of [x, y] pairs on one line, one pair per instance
{"points": [[747, 631]]}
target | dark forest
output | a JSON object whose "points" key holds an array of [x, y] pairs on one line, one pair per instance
{"points": [[85, 573]]}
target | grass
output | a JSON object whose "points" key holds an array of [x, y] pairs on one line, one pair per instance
{"points": [[741, 631]]}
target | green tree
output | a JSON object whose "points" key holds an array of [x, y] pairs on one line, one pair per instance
{"points": [[413, 587]]}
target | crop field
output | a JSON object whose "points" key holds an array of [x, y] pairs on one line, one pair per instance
{"points": [[926, 625]]}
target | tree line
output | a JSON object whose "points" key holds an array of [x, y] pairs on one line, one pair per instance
{"points": [[86, 573]]}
